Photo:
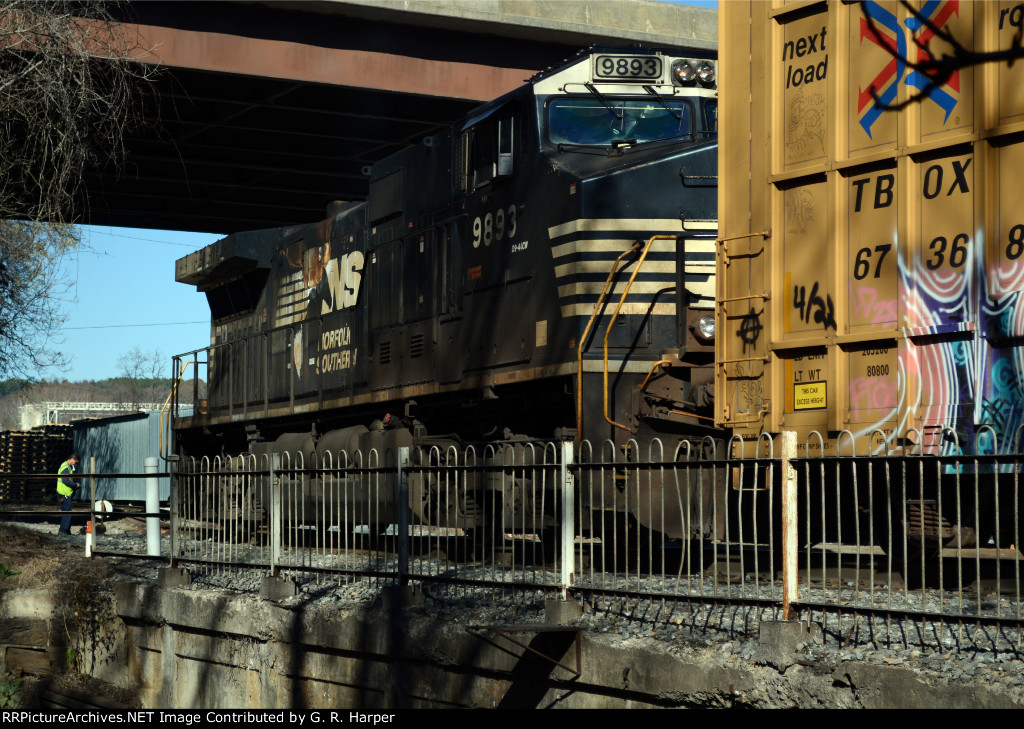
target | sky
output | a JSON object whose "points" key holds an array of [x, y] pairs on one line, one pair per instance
{"points": [[123, 295]]}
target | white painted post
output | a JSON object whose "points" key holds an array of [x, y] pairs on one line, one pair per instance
{"points": [[403, 515], [275, 513], [568, 519], [92, 506], [790, 523], [152, 507]]}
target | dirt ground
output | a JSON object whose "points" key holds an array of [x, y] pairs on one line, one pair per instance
{"points": [[37, 556], [46, 561]]}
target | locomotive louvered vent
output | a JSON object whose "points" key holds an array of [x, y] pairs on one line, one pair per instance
{"points": [[416, 346], [385, 352]]}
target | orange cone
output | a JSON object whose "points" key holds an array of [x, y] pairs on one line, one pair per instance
{"points": [[88, 527]]}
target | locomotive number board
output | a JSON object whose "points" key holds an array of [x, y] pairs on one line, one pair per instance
{"points": [[629, 68]]}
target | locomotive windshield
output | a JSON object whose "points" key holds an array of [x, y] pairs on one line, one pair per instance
{"points": [[609, 120]]}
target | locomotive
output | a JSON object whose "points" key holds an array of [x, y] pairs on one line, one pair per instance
{"points": [[542, 270]]}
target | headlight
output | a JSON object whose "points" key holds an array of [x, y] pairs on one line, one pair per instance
{"points": [[706, 73], [704, 329], [683, 72]]}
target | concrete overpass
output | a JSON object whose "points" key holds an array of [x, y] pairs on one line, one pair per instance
{"points": [[269, 111]]}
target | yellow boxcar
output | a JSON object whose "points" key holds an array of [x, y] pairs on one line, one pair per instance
{"points": [[870, 268]]}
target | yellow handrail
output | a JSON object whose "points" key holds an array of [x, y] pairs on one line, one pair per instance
{"points": [[586, 333], [167, 402], [650, 374], [608, 330]]}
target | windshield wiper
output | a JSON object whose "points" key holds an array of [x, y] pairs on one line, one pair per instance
{"points": [[590, 87], [612, 149], [650, 90]]}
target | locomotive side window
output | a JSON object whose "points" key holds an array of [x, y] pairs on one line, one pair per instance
{"points": [[463, 163], [711, 116], [592, 121], [505, 127], [487, 149]]}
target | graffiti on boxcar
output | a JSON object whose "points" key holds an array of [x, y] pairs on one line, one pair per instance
{"points": [[750, 329], [874, 393], [820, 307], [868, 303], [806, 131], [800, 210]]}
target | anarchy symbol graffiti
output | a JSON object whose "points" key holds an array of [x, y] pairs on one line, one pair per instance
{"points": [[750, 329]]}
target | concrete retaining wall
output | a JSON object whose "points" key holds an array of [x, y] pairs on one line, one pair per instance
{"points": [[31, 640], [181, 648]]}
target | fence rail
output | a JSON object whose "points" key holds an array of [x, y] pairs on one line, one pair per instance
{"points": [[927, 535], [910, 533]]}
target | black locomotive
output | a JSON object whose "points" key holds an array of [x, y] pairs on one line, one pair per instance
{"points": [[542, 270]]}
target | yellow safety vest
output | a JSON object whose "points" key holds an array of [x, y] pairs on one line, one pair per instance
{"points": [[65, 488]]}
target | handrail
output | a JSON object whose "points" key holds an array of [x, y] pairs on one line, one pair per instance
{"points": [[167, 402], [586, 332], [622, 300]]}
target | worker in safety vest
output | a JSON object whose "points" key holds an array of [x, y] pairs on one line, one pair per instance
{"points": [[66, 488]]}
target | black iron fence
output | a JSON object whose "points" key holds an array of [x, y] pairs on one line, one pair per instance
{"points": [[889, 533]]}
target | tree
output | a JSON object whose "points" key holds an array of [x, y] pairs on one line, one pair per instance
{"points": [[70, 87], [141, 377], [71, 84], [31, 293]]}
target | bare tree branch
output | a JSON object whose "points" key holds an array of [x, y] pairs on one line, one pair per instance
{"points": [[71, 86], [141, 377], [937, 68], [31, 285]]}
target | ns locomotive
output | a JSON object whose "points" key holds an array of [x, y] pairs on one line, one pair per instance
{"points": [[544, 269]]}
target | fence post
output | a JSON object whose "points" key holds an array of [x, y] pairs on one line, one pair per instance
{"points": [[403, 515], [275, 513], [172, 508], [790, 522], [152, 507], [568, 518], [92, 508]]}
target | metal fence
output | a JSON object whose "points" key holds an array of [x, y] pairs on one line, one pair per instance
{"points": [[925, 535]]}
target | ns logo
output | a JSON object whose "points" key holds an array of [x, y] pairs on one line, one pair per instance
{"points": [[344, 276], [890, 36]]}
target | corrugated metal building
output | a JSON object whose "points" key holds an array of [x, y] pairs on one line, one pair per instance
{"points": [[120, 444]]}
